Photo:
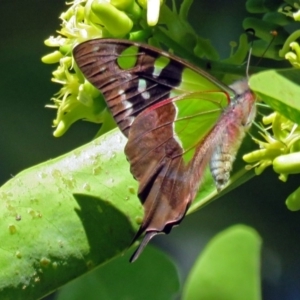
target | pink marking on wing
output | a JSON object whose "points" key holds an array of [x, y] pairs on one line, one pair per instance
{"points": [[181, 97]]}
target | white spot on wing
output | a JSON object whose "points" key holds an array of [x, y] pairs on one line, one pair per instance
{"points": [[123, 97], [127, 104], [142, 85], [146, 95], [127, 76], [130, 120], [156, 71], [160, 63]]}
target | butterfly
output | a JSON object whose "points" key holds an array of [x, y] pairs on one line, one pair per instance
{"points": [[178, 119]]}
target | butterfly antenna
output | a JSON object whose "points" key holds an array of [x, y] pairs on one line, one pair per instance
{"points": [[248, 62], [274, 34], [251, 32]]}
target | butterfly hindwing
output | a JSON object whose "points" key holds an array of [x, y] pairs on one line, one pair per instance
{"points": [[168, 164], [174, 127]]}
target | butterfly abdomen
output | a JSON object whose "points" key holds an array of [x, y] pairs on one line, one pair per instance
{"points": [[231, 129], [224, 155]]}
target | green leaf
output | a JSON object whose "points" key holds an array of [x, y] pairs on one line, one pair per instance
{"points": [[228, 268], [279, 89], [152, 276], [66, 216], [63, 217]]}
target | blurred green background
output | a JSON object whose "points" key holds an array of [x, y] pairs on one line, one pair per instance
{"points": [[26, 140], [26, 135]]}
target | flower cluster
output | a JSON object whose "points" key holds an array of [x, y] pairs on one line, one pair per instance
{"points": [[292, 12], [85, 20], [280, 145], [279, 148]]}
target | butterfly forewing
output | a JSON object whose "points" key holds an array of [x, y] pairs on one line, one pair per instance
{"points": [[133, 77]]}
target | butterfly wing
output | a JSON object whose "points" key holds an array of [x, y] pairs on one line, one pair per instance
{"points": [[133, 76], [166, 108]]}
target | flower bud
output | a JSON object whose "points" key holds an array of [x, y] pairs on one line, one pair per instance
{"points": [[293, 200], [287, 164], [114, 20]]}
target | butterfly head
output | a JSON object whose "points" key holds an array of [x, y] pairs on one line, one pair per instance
{"points": [[240, 86]]}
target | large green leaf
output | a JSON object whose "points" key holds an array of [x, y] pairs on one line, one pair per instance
{"points": [[152, 276], [280, 89], [62, 218], [228, 268]]}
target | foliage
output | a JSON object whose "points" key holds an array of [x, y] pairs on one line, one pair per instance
{"points": [[59, 232]]}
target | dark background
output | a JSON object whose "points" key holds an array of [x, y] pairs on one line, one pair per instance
{"points": [[26, 125], [26, 139]]}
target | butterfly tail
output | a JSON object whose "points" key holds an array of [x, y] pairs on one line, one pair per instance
{"points": [[148, 236]]}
